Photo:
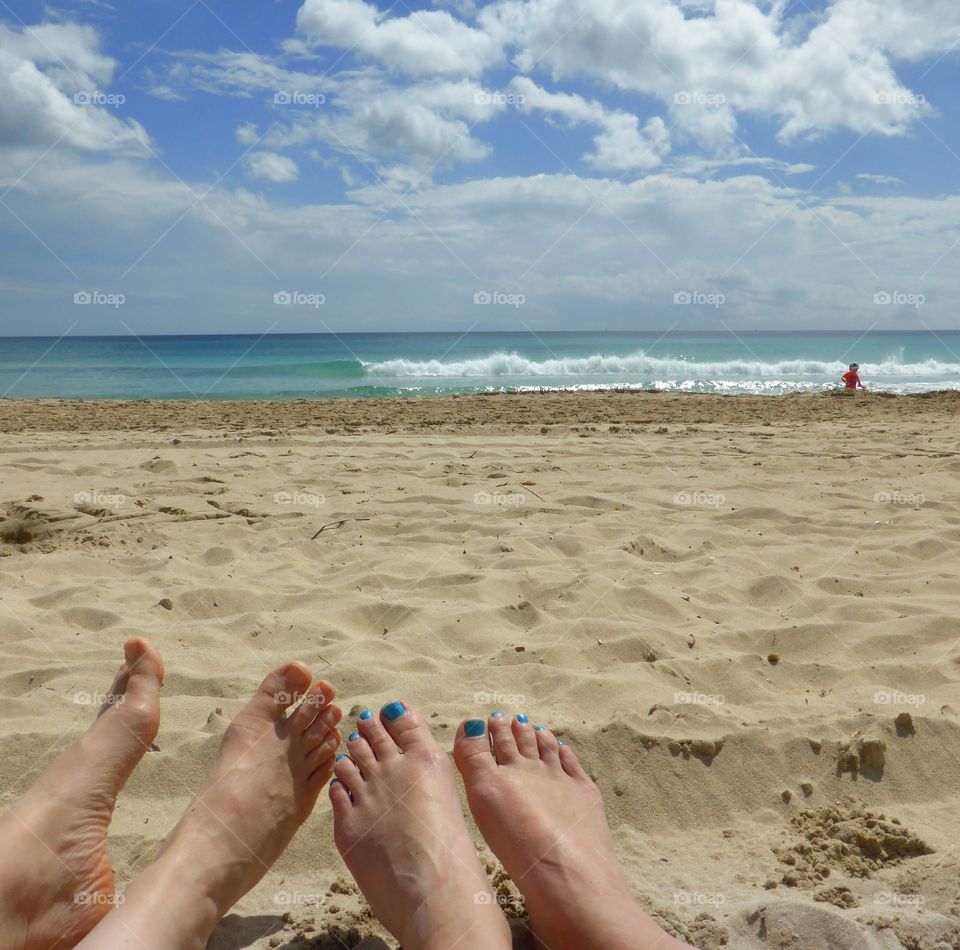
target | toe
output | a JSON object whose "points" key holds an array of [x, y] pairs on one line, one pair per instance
{"points": [[321, 760], [525, 737], [571, 764], [280, 690], [377, 737], [317, 697], [406, 726], [359, 750], [136, 690], [349, 775], [342, 803], [548, 745], [471, 750], [501, 735], [321, 728]]}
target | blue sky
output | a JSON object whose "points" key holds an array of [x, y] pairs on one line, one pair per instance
{"points": [[184, 167]]}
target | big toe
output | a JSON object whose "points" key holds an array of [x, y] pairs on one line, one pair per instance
{"points": [[280, 689], [135, 693], [471, 751]]}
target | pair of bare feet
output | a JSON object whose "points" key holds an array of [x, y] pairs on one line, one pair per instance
{"points": [[397, 824]]}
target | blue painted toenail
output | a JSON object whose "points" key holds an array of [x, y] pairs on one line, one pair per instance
{"points": [[366, 714], [496, 715], [560, 742], [353, 737], [342, 755], [522, 717], [538, 728], [393, 710], [334, 781], [473, 728]]}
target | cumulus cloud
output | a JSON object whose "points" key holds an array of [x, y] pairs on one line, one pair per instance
{"points": [[737, 57], [272, 167], [421, 43], [622, 145], [53, 82]]}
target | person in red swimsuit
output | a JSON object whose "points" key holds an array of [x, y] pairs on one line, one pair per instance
{"points": [[852, 378]]}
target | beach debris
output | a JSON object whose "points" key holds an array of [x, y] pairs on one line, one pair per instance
{"points": [[773, 658], [166, 603], [904, 725], [333, 525]]}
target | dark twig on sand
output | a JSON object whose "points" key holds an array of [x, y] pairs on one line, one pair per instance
{"points": [[336, 524]]}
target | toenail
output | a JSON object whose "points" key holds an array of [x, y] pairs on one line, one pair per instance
{"points": [[496, 715], [473, 728], [353, 737], [522, 717], [342, 755], [560, 742], [366, 714], [393, 710], [334, 781], [538, 728]]}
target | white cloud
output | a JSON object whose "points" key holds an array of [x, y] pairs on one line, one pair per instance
{"points": [[52, 82], [736, 57], [424, 42], [622, 145], [272, 167], [880, 179]]}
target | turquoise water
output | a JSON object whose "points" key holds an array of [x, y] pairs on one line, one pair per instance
{"points": [[421, 364]]}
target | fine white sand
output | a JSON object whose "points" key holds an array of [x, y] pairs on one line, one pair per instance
{"points": [[722, 605]]}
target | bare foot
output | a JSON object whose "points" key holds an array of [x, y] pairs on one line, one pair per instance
{"points": [[263, 785], [56, 881], [544, 819], [400, 830]]}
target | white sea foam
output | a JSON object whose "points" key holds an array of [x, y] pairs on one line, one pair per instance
{"points": [[668, 370]]}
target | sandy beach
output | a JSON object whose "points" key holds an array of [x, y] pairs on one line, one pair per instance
{"points": [[739, 611]]}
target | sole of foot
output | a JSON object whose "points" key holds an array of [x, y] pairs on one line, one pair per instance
{"points": [[399, 827], [56, 880], [544, 819], [271, 766]]}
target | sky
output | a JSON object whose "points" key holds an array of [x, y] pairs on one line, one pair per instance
{"points": [[251, 166]]}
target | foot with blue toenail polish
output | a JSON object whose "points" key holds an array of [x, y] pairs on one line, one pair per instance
{"points": [[543, 818], [416, 864]]}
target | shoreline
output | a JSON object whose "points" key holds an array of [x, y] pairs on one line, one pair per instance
{"points": [[616, 410]]}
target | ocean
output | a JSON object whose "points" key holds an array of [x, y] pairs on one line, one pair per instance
{"points": [[316, 366]]}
